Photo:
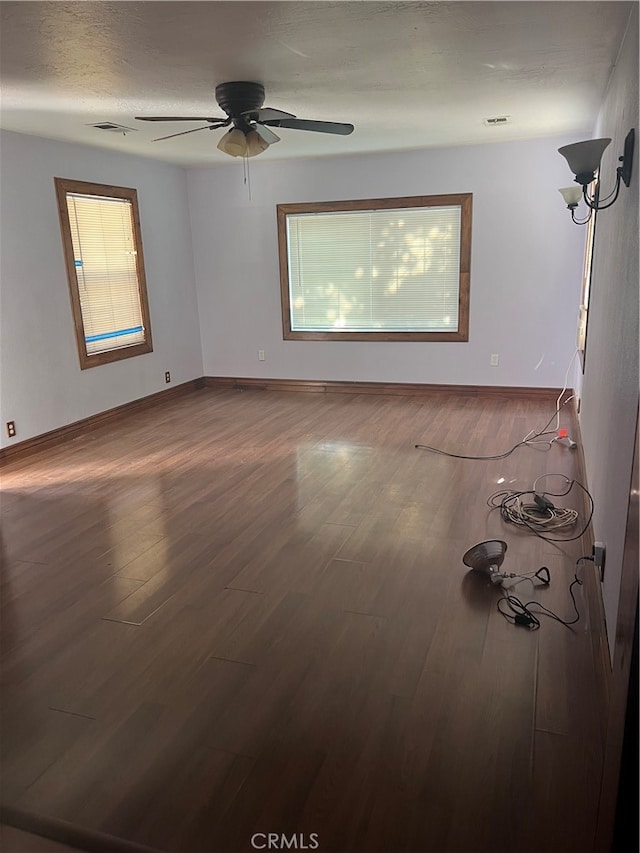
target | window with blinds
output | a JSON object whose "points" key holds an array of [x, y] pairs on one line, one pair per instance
{"points": [[103, 252], [378, 269]]}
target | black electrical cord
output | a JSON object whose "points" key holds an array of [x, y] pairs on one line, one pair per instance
{"points": [[519, 615], [523, 614], [522, 443], [460, 456]]}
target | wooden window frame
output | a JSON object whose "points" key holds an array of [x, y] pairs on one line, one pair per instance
{"points": [[67, 185], [463, 200]]}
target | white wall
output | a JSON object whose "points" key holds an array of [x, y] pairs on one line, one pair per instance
{"points": [[610, 383], [41, 384], [525, 277], [525, 272]]}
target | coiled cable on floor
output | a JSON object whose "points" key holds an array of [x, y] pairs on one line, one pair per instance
{"points": [[541, 516]]}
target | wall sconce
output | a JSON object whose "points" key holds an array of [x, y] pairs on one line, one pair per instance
{"points": [[572, 196], [584, 161]]}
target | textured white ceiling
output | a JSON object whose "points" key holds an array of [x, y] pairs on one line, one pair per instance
{"points": [[406, 74]]}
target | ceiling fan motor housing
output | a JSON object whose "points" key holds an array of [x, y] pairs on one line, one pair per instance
{"points": [[242, 102], [239, 97]]}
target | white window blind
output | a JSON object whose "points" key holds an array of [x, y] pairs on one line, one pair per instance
{"points": [[104, 251], [395, 270]]}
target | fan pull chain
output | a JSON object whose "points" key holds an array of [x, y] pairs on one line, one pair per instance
{"points": [[247, 173]]}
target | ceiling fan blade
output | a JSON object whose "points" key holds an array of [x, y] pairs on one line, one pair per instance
{"points": [[178, 118], [184, 133], [319, 126], [266, 134], [266, 114]]}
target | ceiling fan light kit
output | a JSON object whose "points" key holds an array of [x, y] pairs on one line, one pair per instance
{"points": [[240, 143], [250, 135]]}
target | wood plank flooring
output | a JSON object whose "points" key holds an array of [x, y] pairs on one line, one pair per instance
{"points": [[17, 841], [246, 612]]}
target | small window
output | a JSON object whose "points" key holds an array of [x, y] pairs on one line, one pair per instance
{"points": [[103, 253], [393, 269]]}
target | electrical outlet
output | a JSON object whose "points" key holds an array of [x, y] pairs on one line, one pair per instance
{"points": [[11, 429], [599, 552], [260, 355], [495, 360], [167, 377]]}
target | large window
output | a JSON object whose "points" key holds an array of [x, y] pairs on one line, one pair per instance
{"points": [[394, 269], [103, 253]]}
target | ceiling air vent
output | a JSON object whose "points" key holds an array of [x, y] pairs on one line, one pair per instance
{"points": [[496, 121], [111, 127]]}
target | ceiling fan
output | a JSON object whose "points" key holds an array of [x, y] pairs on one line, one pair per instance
{"points": [[251, 122]]}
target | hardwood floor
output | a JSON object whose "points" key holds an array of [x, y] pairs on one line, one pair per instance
{"points": [[246, 613], [17, 841]]}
